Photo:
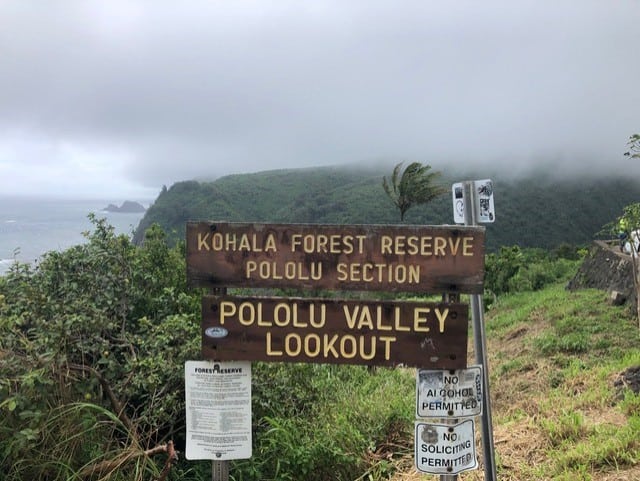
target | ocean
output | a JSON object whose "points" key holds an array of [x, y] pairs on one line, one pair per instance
{"points": [[29, 227]]}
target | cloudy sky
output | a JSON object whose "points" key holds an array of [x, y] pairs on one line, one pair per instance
{"points": [[117, 98]]}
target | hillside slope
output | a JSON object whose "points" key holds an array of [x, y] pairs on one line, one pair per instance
{"points": [[536, 211], [564, 404]]}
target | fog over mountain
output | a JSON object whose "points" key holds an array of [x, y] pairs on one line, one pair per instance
{"points": [[121, 97]]}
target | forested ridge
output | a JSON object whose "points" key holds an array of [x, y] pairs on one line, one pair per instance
{"points": [[537, 210]]}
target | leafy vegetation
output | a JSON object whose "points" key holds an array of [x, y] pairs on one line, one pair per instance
{"points": [[93, 341], [634, 147], [513, 269], [86, 336], [416, 185], [536, 211]]}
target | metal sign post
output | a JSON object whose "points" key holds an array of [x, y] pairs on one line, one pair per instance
{"points": [[479, 337]]}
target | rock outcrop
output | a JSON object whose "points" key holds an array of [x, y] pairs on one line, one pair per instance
{"points": [[607, 269], [629, 379], [127, 207]]}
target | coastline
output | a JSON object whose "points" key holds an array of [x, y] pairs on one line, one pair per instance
{"points": [[32, 226]]}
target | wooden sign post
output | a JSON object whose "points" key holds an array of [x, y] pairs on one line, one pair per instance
{"points": [[422, 259]]}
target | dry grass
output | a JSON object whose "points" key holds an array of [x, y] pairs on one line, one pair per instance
{"points": [[528, 394]]}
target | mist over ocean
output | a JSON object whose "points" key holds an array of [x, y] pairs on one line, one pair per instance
{"points": [[29, 227]]}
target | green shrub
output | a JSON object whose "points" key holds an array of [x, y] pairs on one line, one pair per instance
{"points": [[93, 342], [513, 269], [327, 422], [105, 326]]}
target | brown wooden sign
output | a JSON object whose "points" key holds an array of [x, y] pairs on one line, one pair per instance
{"points": [[419, 334], [366, 257]]}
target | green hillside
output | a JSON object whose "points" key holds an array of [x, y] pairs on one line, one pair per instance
{"points": [[535, 211]]}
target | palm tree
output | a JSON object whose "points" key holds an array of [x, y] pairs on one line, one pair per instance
{"points": [[414, 186], [634, 147]]}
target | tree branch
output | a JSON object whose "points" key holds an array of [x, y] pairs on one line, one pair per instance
{"points": [[118, 406], [172, 455]]}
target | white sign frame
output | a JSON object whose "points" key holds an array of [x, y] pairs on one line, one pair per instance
{"points": [[445, 449], [485, 209], [449, 394], [457, 191], [218, 405], [482, 191]]}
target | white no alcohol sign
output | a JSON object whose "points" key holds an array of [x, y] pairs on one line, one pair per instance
{"points": [[449, 394], [218, 404], [445, 449]]}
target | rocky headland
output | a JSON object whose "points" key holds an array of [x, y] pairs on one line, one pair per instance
{"points": [[127, 207]]}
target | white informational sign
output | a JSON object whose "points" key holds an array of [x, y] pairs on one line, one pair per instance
{"points": [[482, 191], [218, 404], [449, 394], [457, 190], [445, 449], [485, 210]]}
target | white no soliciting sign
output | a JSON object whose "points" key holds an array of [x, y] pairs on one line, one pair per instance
{"points": [[449, 394], [445, 449], [218, 403]]}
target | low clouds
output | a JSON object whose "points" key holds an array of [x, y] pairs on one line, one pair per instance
{"points": [[152, 92]]}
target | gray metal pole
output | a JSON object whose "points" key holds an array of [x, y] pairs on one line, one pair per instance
{"points": [[480, 346]]}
